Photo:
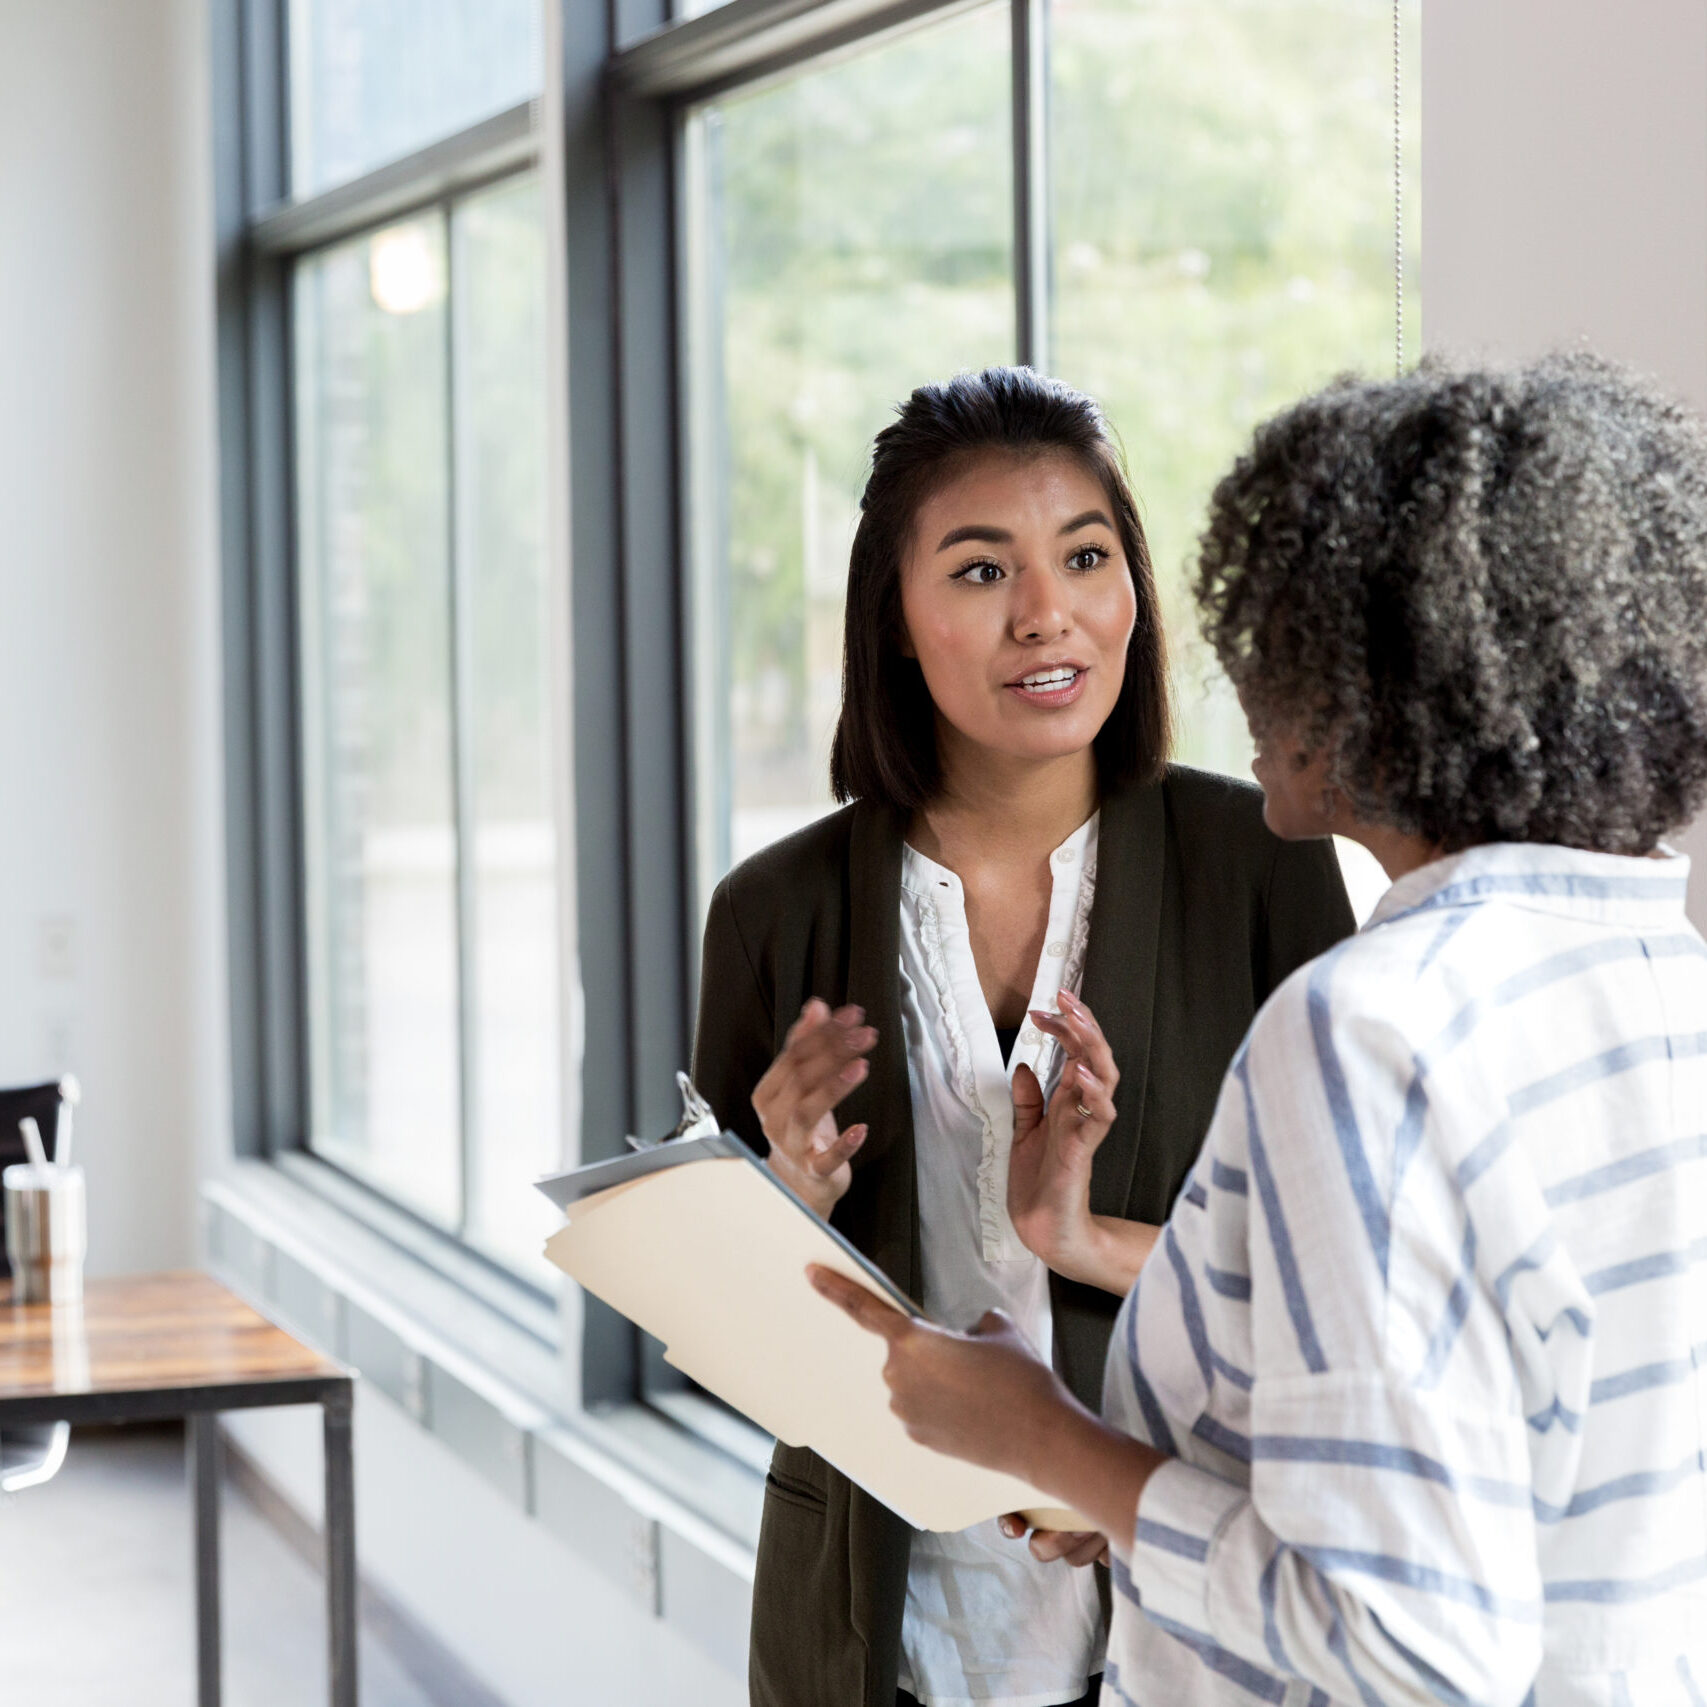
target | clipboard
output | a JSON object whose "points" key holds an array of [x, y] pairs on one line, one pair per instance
{"points": [[697, 1241]]}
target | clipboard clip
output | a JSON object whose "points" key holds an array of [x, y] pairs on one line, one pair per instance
{"points": [[697, 1121]]}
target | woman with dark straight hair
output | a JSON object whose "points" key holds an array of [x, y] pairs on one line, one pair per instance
{"points": [[978, 1017]]}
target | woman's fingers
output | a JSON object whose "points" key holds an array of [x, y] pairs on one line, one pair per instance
{"points": [[816, 1095], [824, 1158], [865, 1307], [1075, 1028], [1049, 1546], [813, 1013], [1028, 1104], [1068, 1548], [1093, 1045], [1081, 1111], [821, 1061], [816, 1055], [1088, 1092]]}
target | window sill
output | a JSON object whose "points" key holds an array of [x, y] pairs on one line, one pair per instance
{"points": [[648, 1501]]}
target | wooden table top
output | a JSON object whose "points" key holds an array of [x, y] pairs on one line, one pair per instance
{"points": [[150, 1337]]}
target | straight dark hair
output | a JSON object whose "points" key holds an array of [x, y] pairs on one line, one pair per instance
{"points": [[885, 747]]}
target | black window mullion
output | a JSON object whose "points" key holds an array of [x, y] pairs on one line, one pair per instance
{"points": [[608, 1352], [265, 955], [653, 575], [1032, 264]]}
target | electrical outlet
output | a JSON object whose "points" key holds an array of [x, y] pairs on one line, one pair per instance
{"points": [[58, 1044], [56, 947]]}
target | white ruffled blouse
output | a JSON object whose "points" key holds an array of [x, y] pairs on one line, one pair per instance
{"points": [[985, 1623]]}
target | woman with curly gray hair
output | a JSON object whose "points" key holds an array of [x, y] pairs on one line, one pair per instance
{"points": [[1412, 1406]]}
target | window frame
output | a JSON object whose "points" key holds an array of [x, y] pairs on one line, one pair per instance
{"points": [[261, 235], [608, 135]]}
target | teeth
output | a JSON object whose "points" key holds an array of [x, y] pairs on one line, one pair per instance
{"points": [[1049, 678]]}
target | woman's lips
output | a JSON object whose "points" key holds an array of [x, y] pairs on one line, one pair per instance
{"points": [[1048, 695]]}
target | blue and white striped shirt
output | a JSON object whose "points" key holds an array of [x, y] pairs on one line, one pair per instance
{"points": [[1426, 1332]]}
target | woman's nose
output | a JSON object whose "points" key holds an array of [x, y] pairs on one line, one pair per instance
{"points": [[1040, 606]]}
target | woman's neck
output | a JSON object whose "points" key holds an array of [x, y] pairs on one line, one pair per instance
{"points": [[993, 808], [1399, 853]]}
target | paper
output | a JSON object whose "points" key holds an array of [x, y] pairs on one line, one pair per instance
{"points": [[703, 1247]]}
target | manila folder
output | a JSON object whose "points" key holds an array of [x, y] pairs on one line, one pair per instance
{"points": [[699, 1243]]}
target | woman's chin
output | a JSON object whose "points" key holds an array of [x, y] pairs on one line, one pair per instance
{"points": [[1032, 733], [1039, 747]]}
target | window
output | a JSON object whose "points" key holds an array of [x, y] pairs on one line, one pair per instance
{"points": [[1213, 202], [1222, 183], [660, 270], [401, 585], [429, 848], [374, 80], [854, 226]]}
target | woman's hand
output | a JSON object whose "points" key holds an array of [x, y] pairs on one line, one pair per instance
{"points": [[983, 1396], [822, 1059], [1069, 1546], [1049, 1167], [987, 1397]]}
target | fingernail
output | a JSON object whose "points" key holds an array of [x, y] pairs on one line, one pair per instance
{"points": [[1067, 998]]}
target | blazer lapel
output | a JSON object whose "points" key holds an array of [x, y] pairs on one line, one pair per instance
{"points": [[1120, 971], [881, 1212]]}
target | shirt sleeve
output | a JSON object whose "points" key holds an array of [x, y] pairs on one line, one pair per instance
{"points": [[1384, 1549]]}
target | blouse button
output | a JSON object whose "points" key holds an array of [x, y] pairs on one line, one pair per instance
{"points": [[1056, 950], [1063, 856], [1029, 1035]]}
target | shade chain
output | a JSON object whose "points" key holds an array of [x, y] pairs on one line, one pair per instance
{"points": [[1398, 206]]}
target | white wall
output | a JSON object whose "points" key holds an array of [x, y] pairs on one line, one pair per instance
{"points": [[535, 1622], [1565, 193], [108, 691]]}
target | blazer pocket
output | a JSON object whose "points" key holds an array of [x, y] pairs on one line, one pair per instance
{"points": [[792, 1490]]}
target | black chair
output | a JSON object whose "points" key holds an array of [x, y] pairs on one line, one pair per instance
{"points": [[29, 1456]]}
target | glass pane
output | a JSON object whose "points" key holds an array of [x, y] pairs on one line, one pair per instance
{"points": [[376, 693], [851, 232], [499, 310], [371, 80], [1223, 180]]}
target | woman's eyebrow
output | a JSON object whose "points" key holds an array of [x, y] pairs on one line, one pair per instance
{"points": [[987, 535], [984, 534], [1086, 520]]}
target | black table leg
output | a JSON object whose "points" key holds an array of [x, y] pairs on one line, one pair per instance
{"points": [[203, 1430], [340, 1534]]}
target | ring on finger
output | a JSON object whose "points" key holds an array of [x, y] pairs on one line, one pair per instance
{"points": [[1082, 1112]]}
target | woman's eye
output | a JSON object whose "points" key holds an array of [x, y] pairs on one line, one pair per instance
{"points": [[1088, 557], [980, 574]]}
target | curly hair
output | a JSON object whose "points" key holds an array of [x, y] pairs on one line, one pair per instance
{"points": [[1484, 592]]}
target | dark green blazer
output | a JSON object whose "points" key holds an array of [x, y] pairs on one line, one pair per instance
{"points": [[1200, 912]]}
